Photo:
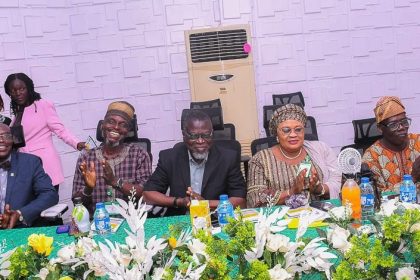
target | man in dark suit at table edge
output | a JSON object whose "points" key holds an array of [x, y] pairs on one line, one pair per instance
{"points": [[25, 189], [195, 169]]}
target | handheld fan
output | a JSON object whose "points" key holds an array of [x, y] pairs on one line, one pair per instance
{"points": [[349, 161]]}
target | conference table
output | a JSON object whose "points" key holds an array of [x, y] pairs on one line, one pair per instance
{"points": [[153, 226]]}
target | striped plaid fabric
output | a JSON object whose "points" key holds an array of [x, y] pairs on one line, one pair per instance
{"points": [[133, 165]]}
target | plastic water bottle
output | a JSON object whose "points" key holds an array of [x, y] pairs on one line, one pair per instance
{"points": [[80, 218], [224, 210], [101, 218], [408, 191], [367, 199]]}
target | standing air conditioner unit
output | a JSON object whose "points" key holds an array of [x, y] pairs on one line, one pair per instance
{"points": [[220, 65]]}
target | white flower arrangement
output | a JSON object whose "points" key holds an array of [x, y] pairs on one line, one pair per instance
{"points": [[338, 237], [299, 258], [133, 260], [389, 207]]}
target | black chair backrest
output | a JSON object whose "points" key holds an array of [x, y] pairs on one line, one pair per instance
{"points": [[228, 133], [147, 145], [268, 111], [366, 131], [206, 104], [262, 143], [215, 115], [294, 98]]}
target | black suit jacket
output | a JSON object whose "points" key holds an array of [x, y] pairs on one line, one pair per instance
{"points": [[29, 188], [222, 175]]}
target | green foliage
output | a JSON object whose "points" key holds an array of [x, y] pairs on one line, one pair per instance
{"points": [[217, 249], [242, 235], [393, 227], [176, 229], [380, 257], [59, 270], [242, 238], [258, 271], [367, 259], [416, 243], [25, 262]]}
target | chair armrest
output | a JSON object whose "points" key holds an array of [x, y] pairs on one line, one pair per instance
{"points": [[54, 212]]}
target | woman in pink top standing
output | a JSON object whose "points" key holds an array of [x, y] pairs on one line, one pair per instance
{"points": [[39, 120]]}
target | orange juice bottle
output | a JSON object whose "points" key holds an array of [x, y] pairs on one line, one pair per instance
{"points": [[350, 193], [200, 215]]}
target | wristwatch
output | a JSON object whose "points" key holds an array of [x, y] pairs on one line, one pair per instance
{"points": [[119, 183], [174, 204]]}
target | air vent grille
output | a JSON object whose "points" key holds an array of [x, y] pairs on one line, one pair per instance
{"points": [[218, 45]]}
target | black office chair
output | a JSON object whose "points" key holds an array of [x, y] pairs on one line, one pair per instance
{"points": [[262, 143], [366, 133], [294, 98], [215, 103], [132, 136], [268, 111], [311, 132], [228, 132]]}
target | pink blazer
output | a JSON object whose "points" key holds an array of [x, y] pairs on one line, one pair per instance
{"points": [[39, 121]]}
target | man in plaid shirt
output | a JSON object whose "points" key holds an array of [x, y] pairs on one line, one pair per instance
{"points": [[115, 168]]}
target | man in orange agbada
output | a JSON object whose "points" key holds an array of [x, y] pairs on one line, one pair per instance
{"points": [[398, 152]]}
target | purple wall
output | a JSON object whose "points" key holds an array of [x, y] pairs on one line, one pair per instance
{"points": [[83, 54]]}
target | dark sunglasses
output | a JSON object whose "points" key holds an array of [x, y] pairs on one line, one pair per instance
{"points": [[287, 130], [394, 126], [195, 137]]}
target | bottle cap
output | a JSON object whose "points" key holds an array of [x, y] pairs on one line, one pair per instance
{"points": [[100, 205], [77, 200], [223, 197], [365, 180], [407, 177]]}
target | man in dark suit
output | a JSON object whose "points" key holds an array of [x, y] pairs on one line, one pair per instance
{"points": [[195, 169], [25, 189]]}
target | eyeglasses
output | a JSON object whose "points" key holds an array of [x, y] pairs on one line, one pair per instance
{"points": [[287, 130], [394, 126], [195, 137], [6, 137], [113, 122]]}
